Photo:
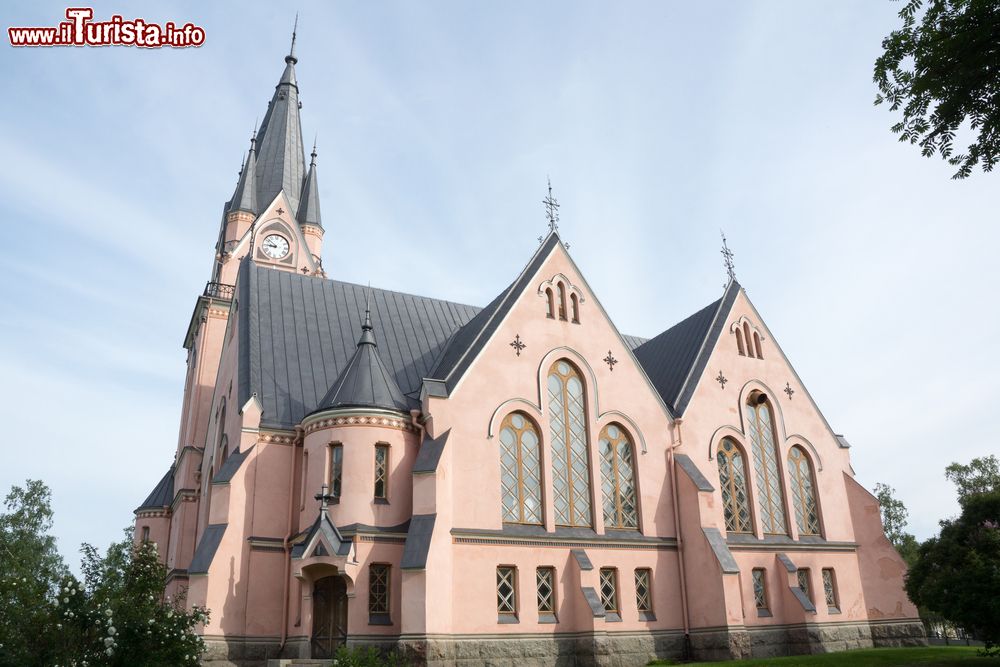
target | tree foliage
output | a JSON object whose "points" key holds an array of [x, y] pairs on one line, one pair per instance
{"points": [[958, 572], [943, 72], [894, 516], [981, 475], [115, 616]]}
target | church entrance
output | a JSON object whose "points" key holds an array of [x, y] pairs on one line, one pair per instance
{"points": [[329, 616]]}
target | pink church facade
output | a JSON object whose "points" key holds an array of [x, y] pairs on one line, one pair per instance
{"points": [[514, 484]]}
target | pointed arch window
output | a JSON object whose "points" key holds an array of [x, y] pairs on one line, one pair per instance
{"points": [[770, 496], [575, 303], [733, 481], [520, 470], [570, 465], [756, 345], [562, 301], [748, 339], [550, 299], [800, 476], [617, 478], [739, 343]]}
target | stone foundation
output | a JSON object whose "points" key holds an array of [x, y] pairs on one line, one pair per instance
{"points": [[597, 649]]}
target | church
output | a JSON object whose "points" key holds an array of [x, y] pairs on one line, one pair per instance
{"points": [[513, 484]]}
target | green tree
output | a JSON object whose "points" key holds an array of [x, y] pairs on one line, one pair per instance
{"points": [[958, 573], [30, 572], [894, 516], [943, 71], [981, 475]]}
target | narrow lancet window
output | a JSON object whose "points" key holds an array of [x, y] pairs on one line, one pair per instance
{"points": [[800, 476], [520, 470], [756, 345], [562, 301], [739, 343], [770, 496], [733, 482], [570, 464], [550, 299], [575, 302], [617, 479], [748, 339]]}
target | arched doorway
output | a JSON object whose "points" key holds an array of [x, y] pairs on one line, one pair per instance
{"points": [[329, 616]]}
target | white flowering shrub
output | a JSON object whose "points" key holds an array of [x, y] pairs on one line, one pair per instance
{"points": [[116, 615]]}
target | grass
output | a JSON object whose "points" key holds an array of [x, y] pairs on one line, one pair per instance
{"points": [[930, 656]]}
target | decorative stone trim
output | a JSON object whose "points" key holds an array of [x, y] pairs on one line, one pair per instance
{"points": [[381, 539], [159, 513], [362, 420], [458, 538], [276, 438], [218, 313]]}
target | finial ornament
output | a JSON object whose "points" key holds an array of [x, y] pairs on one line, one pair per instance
{"points": [[324, 498], [367, 324], [290, 58], [551, 209], [313, 154], [727, 258]]}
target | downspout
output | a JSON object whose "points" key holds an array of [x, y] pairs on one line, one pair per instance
{"points": [[680, 536], [296, 441]]}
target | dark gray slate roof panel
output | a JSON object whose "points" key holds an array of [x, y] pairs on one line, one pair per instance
{"points": [[281, 161], [787, 563], [207, 546], [582, 559], [365, 380], [162, 494], [594, 600], [430, 453], [230, 466], [418, 542], [803, 599], [688, 466], [297, 334], [722, 553], [676, 358]]}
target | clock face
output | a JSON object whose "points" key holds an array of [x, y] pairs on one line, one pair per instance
{"points": [[275, 246]]}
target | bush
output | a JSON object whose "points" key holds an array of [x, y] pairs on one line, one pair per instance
{"points": [[367, 657]]}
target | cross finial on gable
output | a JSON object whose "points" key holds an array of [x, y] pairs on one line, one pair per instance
{"points": [[324, 498], [551, 209], [727, 258]]}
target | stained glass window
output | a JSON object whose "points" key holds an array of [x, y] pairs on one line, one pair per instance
{"points": [[609, 589], [803, 576], [770, 496], [520, 470], [643, 589], [800, 477], [336, 469], [733, 482], [760, 588], [381, 470], [378, 588], [830, 588], [570, 465], [506, 590], [617, 479], [545, 580]]}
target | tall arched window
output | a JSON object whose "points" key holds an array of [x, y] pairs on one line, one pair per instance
{"points": [[220, 432], [733, 480], [520, 470], [800, 476], [562, 301], [575, 302], [570, 465], [746, 337], [739, 342], [756, 345], [765, 464], [550, 299], [617, 479]]}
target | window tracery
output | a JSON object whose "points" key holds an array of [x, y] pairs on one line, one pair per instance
{"points": [[800, 476], [570, 462], [617, 478], [770, 495], [520, 470], [733, 483]]}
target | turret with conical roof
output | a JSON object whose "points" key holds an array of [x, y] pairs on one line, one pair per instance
{"points": [[309, 201], [245, 196], [365, 382]]}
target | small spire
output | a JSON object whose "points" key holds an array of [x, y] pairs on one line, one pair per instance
{"points": [[727, 258], [367, 330], [551, 209], [290, 58], [312, 163]]}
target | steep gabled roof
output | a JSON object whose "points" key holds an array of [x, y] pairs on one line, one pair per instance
{"points": [[470, 339], [675, 359], [365, 382], [298, 333], [162, 494]]}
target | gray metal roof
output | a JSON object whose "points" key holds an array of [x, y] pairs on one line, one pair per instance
{"points": [[365, 382], [162, 494], [470, 339], [418, 542], [281, 156], [430, 453], [207, 546], [688, 466], [308, 213], [676, 359], [297, 334], [230, 466], [245, 196]]}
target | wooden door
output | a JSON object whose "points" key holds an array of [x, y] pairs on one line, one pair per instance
{"points": [[329, 616]]}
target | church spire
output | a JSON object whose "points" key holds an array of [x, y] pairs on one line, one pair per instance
{"points": [[309, 207], [281, 155], [245, 196]]}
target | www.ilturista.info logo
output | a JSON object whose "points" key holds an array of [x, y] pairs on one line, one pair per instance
{"points": [[80, 30]]}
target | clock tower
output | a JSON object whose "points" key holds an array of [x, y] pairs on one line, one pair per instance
{"points": [[273, 218]]}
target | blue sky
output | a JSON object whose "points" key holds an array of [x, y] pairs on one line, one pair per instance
{"points": [[659, 123]]}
